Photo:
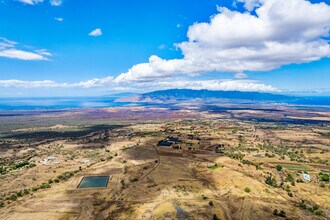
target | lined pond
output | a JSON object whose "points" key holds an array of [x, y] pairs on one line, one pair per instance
{"points": [[94, 181]]}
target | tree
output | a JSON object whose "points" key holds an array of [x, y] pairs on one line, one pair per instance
{"points": [[279, 167], [282, 213], [279, 213], [271, 181], [302, 204]]}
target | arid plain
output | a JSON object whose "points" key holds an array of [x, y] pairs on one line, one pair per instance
{"points": [[163, 163]]}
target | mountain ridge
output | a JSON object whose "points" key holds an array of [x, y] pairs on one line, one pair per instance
{"points": [[186, 94]]}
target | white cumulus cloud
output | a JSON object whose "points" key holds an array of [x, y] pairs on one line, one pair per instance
{"points": [[9, 49], [56, 2], [224, 85], [59, 19], [240, 76], [31, 2], [31, 84], [277, 34], [95, 33], [108, 82]]}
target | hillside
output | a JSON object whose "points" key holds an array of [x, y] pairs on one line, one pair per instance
{"points": [[185, 94]]}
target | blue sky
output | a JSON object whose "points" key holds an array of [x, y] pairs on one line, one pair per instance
{"points": [[47, 48]]}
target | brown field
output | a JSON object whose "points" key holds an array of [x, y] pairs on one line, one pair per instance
{"points": [[217, 170]]}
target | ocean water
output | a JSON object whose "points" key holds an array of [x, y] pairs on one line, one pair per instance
{"points": [[314, 100], [102, 102], [58, 103]]}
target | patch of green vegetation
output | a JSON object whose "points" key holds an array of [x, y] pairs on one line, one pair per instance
{"points": [[94, 154], [247, 190], [214, 167], [289, 178], [270, 180], [45, 185], [279, 167], [2, 170], [65, 176], [311, 207], [247, 162], [324, 177], [296, 167], [236, 156]]}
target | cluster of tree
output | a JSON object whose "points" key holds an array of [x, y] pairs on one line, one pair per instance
{"points": [[313, 208], [17, 194], [270, 180], [24, 192], [16, 166], [67, 175], [236, 156], [257, 165]]}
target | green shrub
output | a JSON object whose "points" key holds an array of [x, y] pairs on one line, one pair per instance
{"points": [[302, 204], [316, 207], [282, 213], [271, 181], [279, 213], [134, 179], [26, 192], [13, 197], [204, 197], [19, 193], [45, 186], [318, 212], [247, 189], [36, 188], [20, 164], [289, 178], [324, 177], [60, 177], [279, 167]]}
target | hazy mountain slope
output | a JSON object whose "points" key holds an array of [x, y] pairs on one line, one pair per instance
{"points": [[184, 94]]}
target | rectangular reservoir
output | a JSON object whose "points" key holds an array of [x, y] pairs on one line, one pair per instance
{"points": [[93, 182]]}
